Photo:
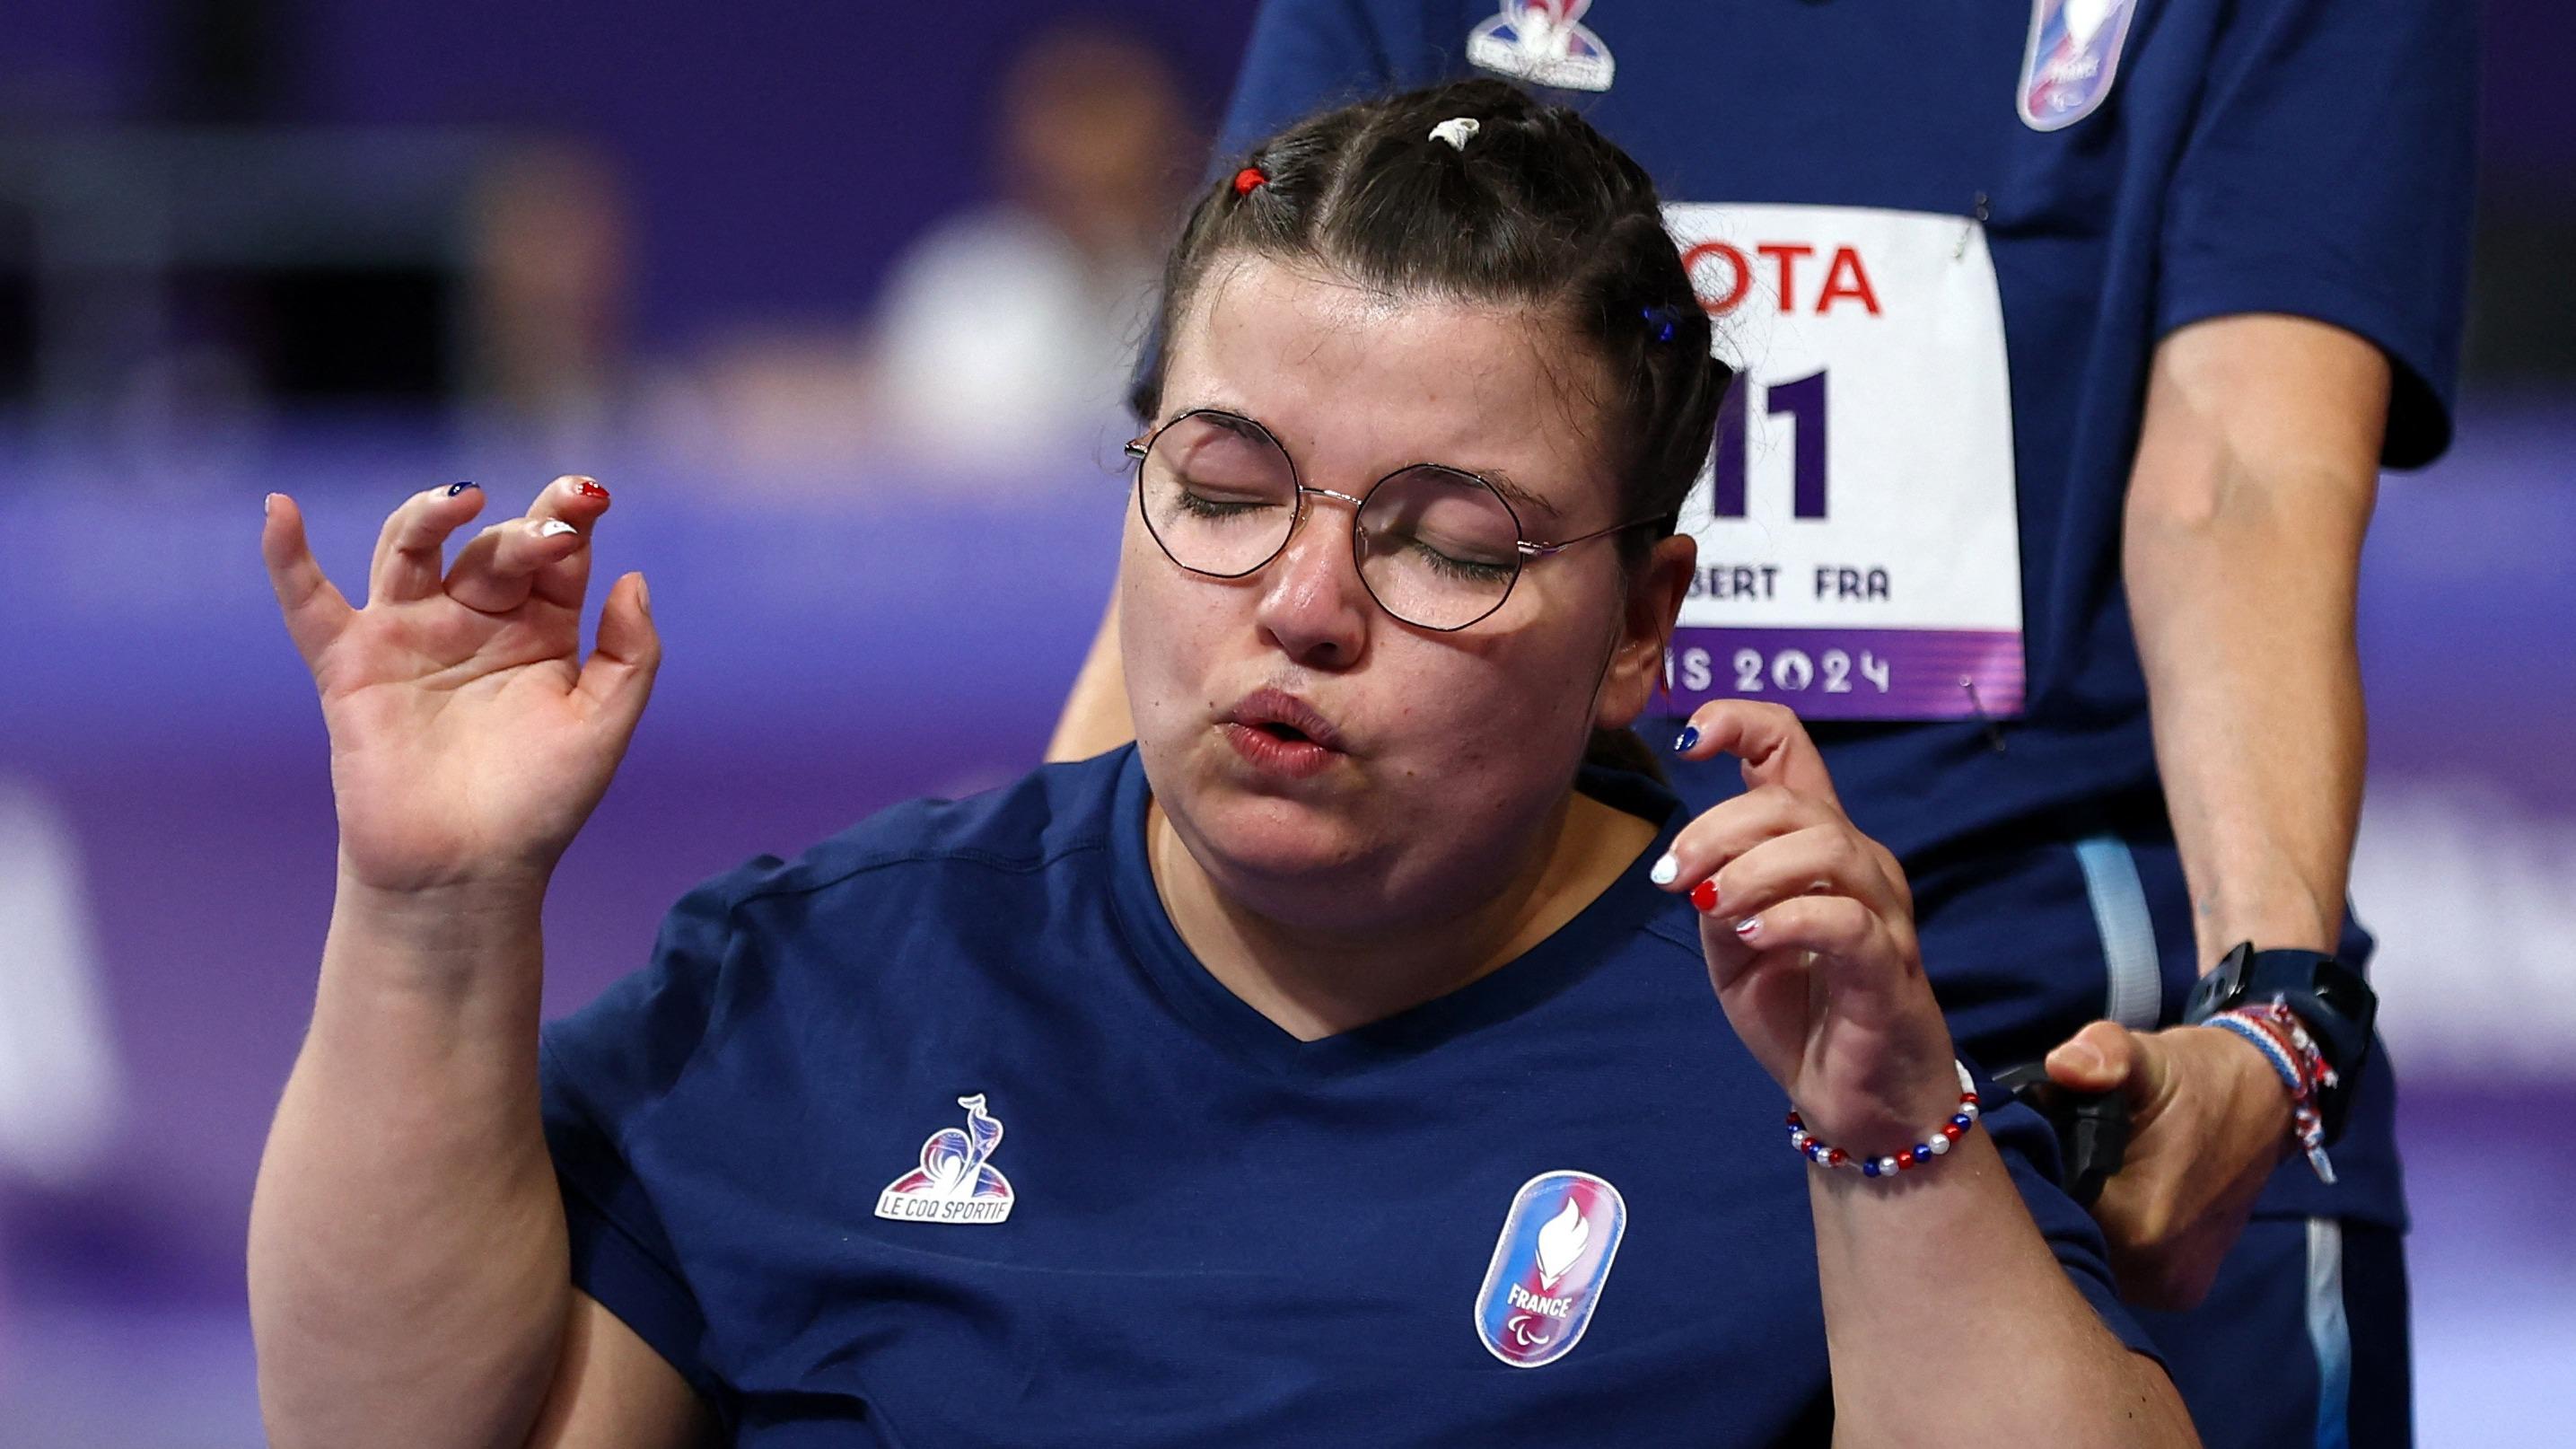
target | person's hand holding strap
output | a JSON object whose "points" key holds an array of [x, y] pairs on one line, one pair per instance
{"points": [[2208, 1123]]}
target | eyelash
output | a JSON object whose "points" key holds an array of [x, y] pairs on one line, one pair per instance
{"points": [[1461, 568], [1197, 507]]}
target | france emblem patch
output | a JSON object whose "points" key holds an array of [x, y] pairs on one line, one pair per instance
{"points": [[1557, 1244], [2072, 57], [1545, 43]]}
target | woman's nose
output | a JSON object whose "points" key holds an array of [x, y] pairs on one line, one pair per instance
{"points": [[1313, 605]]}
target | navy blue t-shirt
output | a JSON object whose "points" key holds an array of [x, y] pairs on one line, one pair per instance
{"points": [[2189, 159], [939, 1135]]}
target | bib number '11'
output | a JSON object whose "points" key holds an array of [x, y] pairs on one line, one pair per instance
{"points": [[1859, 550]]}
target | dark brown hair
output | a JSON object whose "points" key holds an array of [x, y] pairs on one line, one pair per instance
{"points": [[1537, 209]]}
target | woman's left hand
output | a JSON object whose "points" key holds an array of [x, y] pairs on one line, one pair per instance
{"points": [[1809, 931]]}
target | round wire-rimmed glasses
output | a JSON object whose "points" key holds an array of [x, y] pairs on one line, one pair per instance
{"points": [[1437, 547]]}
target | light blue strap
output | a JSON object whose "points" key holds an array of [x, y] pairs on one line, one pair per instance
{"points": [[2136, 995], [2328, 1334]]}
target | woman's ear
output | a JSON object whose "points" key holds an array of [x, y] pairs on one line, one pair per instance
{"points": [[1655, 593]]}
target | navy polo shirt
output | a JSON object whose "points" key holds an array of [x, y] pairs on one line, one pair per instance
{"points": [[938, 1134]]}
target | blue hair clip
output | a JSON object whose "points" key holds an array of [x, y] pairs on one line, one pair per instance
{"points": [[1662, 319]]}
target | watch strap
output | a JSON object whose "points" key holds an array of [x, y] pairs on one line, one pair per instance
{"points": [[2333, 1001]]}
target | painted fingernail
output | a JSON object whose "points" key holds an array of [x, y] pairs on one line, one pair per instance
{"points": [[1666, 871], [268, 505], [589, 488], [455, 488], [1704, 896], [555, 528], [1749, 927], [1689, 737]]}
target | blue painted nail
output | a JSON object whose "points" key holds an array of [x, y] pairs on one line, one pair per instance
{"points": [[1690, 737], [455, 488]]}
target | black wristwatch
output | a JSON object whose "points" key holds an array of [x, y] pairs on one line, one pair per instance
{"points": [[2331, 999]]}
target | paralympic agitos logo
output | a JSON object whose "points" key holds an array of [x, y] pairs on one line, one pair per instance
{"points": [[1544, 1282]]}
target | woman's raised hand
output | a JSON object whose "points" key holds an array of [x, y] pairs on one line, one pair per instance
{"points": [[1809, 931], [469, 739]]}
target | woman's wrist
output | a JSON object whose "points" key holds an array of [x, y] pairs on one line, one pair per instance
{"points": [[456, 909], [1885, 1107], [448, 945], [1882, 1156]]}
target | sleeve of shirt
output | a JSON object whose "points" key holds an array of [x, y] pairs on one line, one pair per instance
{"points": [[2029, 1148], [602, 1072], [2328, 175]]}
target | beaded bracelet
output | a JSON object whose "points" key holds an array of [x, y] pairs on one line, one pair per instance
{"points": [[1825, 1154], [2276, 1032]]}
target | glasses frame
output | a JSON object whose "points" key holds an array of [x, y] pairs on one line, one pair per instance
{"points": [[1526, 548]]}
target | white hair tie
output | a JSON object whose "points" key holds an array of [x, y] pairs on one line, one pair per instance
{"points": [[1456, 130]]}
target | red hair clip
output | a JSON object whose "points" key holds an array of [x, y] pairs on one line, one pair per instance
{"points": [[1248, 178]]}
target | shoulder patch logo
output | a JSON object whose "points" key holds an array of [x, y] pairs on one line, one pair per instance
{"points": [[2072, 57], [1538, 41], [956, 1182], [1555, 1252]]}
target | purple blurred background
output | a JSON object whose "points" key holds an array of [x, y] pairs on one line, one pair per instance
{"points": [[255, 244]]}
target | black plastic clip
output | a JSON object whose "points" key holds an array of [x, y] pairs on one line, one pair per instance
{"points": [[2092, 1127]]}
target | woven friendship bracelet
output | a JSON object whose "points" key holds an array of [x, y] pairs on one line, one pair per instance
{"points": [[2275, 1031], [1824, 1154]]}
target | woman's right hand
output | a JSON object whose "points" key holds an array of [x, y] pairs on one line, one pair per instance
{"points": [[1808, 926], [469, 739]]}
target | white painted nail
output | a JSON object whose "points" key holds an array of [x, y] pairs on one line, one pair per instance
{"points": [[554, 528], [1666, 871]]}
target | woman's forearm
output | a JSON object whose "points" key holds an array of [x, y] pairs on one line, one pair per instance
{"points": [[409, 1278], [1951, 1323]]}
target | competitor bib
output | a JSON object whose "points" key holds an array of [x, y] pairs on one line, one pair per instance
{"points": [[1859, 551]]}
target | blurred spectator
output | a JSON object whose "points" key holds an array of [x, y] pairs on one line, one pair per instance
{"points": [[58, 1087], [549, 259], [1010, 329]]}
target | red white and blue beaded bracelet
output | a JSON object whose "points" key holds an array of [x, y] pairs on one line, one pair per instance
{"points": [[1824, 1154]]}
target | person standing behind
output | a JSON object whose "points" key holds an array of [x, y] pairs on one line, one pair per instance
{"points": [[1006, 332], [2073, 336]]}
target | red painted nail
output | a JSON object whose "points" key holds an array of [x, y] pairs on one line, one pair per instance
{"points": [[1749, 927], [588, 489], [1704, 896]]}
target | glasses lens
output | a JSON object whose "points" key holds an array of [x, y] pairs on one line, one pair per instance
{"points": [[1218, 494], [1439, 548]]}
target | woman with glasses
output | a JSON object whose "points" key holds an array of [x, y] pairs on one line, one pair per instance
{"points": [[1336, 1065]]}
